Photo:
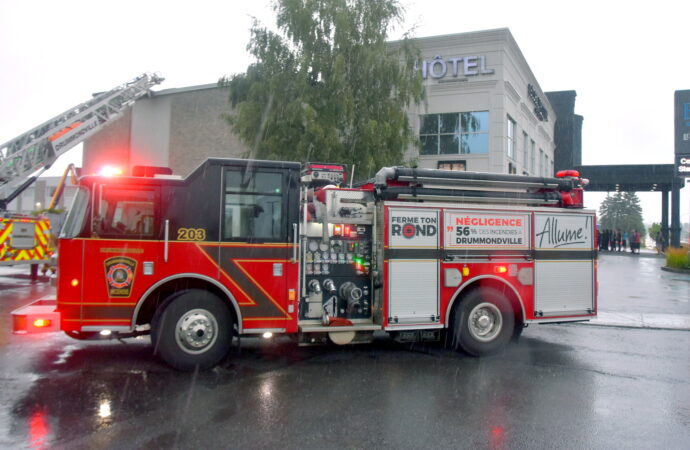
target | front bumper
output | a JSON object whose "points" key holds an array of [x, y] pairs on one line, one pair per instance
{"points": [[40, 316]]}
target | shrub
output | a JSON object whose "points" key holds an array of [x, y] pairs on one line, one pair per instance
{"points": [[678, 258]]}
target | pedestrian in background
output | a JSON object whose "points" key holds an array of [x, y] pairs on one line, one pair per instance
{"points": [[624, 241], [606, 240], [635, 242]]}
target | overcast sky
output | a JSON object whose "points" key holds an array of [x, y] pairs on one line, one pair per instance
{"points": [[624, 58]]}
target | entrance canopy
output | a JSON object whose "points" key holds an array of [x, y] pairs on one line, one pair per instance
{"points": [[631, 178], [642, 178]]}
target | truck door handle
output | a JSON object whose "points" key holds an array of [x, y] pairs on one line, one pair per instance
{"points": [[167, 235], [294, 242]]}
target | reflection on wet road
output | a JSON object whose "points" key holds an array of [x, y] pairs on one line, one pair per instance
{"points": [[569, 386]]}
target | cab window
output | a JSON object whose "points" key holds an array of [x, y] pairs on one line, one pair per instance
{"points": [[253, 205], [124, 213]]}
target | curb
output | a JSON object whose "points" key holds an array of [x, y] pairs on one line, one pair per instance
{"points": [[631, 255], [629, 327], [674, 270]]}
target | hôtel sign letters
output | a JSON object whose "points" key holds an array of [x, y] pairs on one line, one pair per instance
{"points": [[467, 66]]}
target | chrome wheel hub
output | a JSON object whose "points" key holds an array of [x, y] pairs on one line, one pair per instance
{"points": [[196, 331], [485, 322]]}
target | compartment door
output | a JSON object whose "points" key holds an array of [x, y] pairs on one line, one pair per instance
{"points": [[413, 266], [564, 266]]}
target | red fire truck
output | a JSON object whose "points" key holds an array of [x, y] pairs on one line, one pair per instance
{"points": [[246, 247]]}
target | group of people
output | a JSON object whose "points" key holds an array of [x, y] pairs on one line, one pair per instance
{"points": [[617, 241]]}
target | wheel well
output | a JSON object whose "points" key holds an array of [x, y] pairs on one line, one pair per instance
{"points": [[494, 283], [156, 298]]}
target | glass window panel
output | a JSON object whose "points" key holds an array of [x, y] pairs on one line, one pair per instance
{"points": [[525, 150], [251, 216], [511, 138], [475, 121], [449, 144], [254, 181], [452, 165], [429, 124], [475, 143], [125, 213], [450, 123], [429, 145], [532, 156], [481, 118]]}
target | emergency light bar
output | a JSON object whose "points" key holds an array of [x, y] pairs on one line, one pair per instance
{"points": [[325, 173], [150, 171]]}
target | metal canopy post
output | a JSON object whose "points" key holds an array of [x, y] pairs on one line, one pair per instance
{"points": [[675, 213], [664, 219]]}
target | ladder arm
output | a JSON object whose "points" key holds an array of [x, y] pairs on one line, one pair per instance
{"points": [[41, 146]]}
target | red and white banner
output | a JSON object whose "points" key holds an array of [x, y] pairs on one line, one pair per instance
{"points": [[469, 230]]}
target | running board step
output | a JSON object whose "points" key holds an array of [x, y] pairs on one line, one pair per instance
{"points": [[326, 329]]}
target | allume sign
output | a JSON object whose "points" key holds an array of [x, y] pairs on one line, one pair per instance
{"points": [[567, 231], [467, 66]]}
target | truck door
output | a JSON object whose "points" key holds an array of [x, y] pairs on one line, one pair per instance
{"points": [[120, 254], [258, 253], [564, 265]]}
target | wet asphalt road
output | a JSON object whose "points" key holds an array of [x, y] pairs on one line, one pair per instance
{"points": [[560, 386]]}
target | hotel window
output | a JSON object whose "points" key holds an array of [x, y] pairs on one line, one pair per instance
{"points": [[454, 133], [511, 138], [459, 166], [542, 168], [532, 156], [525, 152]]}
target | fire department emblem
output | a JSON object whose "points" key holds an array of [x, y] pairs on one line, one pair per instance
{"points": [[119, 274]]}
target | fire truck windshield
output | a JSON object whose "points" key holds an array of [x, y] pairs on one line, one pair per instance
{"points": [[76, 215]]}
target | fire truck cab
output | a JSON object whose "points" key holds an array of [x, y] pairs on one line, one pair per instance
{"points": [[246, 247]]}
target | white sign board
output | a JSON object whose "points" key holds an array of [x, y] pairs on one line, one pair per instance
{"points": [[469, 229], [412, 228], [563, 231]]}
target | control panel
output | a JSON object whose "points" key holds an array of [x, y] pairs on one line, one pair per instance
{"points": [[337, 274]]}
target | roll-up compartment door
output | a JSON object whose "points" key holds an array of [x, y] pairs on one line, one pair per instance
{"points": [[413, 266], [564, 265]]}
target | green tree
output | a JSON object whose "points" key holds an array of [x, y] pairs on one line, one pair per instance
{"points": [[622, 211], [655, 230], [327, 86]]}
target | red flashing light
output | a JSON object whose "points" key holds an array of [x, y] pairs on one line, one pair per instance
{"points": [[42, 323], [75, 282], [110, 171], [500, 269], [337, 230], [567, 173]]}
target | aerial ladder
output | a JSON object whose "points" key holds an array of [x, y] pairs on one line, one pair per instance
{"points": [[26, 239], [26, 157]]}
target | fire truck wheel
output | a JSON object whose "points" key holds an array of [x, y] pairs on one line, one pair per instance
{"points": [[192, 329], [484, 322]]}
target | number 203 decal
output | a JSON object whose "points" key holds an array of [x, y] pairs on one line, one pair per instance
{"points": [[191, 234]]}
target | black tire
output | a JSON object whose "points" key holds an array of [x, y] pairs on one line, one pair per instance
{"points": [[193, 329], [484, 322], [517, 331]]}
